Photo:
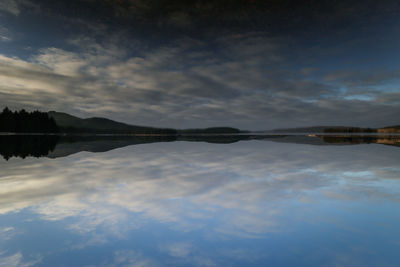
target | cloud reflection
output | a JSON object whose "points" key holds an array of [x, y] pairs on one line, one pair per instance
{"points": [[180, 182], [244, 190]]}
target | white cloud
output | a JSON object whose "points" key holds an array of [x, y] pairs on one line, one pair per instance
{"points": [[16, 260], [60, 61], [180, 250], [130, 258]]}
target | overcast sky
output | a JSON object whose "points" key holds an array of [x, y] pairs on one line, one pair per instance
{"points": [[253, 64]]}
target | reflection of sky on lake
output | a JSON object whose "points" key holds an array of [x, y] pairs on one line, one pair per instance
{"points": [[198, 204]]}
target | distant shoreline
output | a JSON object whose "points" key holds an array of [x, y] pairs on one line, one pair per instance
{"points": [[316, 134], [59, 123]]}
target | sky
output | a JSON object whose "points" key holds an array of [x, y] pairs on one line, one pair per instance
{"points": [[250, 64]]}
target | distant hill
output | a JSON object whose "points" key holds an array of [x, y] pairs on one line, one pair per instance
{"points": [[212, 130], [312, 129], [71, 124], [59, 122]]}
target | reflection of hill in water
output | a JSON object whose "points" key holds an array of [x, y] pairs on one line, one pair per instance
{"points": [[62, 146], [69, 145], [297, 139], [74, 144]]}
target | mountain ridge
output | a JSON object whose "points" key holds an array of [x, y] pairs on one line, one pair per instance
{"points": [[72, 124]]}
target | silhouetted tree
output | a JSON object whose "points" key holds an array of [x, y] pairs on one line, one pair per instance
{"points": [[26, 122]]}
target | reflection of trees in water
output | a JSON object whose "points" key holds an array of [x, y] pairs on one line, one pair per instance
{"points": [[385, 140], [60, 146], [42, 145], [349, 139], [27, 145]]}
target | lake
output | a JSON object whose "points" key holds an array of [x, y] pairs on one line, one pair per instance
{"points": [[273, 201]]}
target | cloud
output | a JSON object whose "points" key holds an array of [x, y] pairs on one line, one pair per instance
{"points": [[363, 78], [129, 258], [5, 35], [60, 61], [242, 81], [16, 260], [10, 6], [14, 7], [185, 253], [6, 233], [180, 250]]}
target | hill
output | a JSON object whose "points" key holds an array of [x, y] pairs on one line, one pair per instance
{"points": [[71, 124], [212, 130], [312, 129]]}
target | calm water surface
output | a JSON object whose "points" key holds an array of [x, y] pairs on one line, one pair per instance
{"points": [[249, 203]]}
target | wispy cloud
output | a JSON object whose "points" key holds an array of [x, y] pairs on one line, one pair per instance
{"points": [[5, 35], [14, 6], [16, 260], [10, 6], [244, 81]]}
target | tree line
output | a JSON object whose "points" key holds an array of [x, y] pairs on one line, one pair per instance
{"points": [[26, 122], [350, 130]]}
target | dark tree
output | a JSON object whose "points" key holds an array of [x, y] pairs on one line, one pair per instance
{"points": [[26, 122]]}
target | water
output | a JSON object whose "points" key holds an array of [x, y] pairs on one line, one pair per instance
{"points": [[270, 202]]}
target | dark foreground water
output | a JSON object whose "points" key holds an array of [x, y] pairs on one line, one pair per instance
{"points": [[279, 201]]}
